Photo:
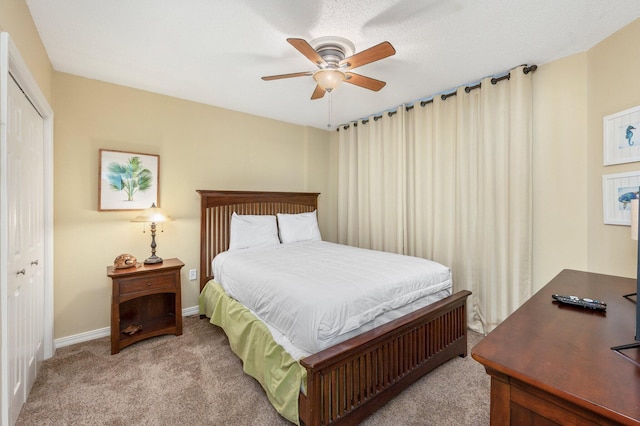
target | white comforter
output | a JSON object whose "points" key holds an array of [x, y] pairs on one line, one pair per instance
{"points": [[318, 294]]}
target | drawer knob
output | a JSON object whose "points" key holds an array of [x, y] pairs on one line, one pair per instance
{"points": [[148, 284]]}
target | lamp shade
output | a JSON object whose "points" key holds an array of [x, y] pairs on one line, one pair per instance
{"points": [[329, 79], [153, 214]]}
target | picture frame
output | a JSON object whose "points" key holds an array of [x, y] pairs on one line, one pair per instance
{"points": [[128, 180], [621, 137], [617, 191]]}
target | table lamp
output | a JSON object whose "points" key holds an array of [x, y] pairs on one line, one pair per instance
{"points": [[154, 215]]}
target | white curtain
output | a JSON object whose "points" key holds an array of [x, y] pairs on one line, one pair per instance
{"points": [[372, 181], [448, 181]]}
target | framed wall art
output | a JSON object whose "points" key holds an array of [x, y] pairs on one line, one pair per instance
{"points": [[128, 180], [617, 192], [621, 137]]}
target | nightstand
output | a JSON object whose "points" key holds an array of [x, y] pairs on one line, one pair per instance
{"points": [[147, 299]]}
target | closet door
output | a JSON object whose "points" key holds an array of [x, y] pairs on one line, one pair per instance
{"points": [[33, 239], [26, 230], [25, 293]]}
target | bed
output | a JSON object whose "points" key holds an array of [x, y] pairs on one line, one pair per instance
{"points": [[346, 382]]}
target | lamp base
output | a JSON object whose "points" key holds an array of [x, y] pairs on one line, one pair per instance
{"points": [[153, 260]]}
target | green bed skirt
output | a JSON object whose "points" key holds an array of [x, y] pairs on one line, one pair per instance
{"points": [[263, 359]]}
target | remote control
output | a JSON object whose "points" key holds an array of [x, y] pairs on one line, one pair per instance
{"points": [[585, 303]]}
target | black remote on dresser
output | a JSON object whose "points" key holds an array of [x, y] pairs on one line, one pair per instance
{"points": [[585, 303]]}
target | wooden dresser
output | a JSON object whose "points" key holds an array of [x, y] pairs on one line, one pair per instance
{"points": [[147, 298], [552, 364]]}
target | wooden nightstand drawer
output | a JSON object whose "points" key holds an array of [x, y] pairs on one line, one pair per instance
{"points": [[149, 283]]}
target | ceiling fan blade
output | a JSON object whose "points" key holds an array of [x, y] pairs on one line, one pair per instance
{"points": [[279, 76], [362, 81], [372, 54], [318, 93], [308, 51]]}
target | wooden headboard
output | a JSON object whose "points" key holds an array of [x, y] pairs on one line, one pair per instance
{"points": [[216, 208]]}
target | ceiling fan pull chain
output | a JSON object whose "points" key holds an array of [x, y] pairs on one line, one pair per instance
{"points": [[330, 108]]}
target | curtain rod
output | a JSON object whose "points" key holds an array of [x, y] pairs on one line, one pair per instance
{"points": [[444, 96]]}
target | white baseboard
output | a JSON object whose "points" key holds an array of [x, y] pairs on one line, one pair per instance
{"points": [[104, 332], [194, 310], [82, 337]]}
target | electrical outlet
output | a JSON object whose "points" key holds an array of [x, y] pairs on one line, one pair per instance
{"points": [[193, 274]]}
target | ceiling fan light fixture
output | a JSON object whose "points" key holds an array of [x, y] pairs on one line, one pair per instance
{"points": [[329, 79], [335, 57]]}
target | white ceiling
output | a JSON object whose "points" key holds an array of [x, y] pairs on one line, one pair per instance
{"points": [[215, 51]]}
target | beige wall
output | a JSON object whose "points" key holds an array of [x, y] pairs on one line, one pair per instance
{"points": [[200, 147], [559, 168], [15, 19], [203, 147], [571, 97], [613, 68]]}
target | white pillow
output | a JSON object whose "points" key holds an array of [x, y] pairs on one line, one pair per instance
{"points": [[252, 231], [299, 227]]}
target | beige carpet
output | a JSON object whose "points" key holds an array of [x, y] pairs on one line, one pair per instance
{"points": [[195, 379]]}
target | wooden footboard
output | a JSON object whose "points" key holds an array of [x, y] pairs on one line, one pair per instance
{"points": [[349, 381]]}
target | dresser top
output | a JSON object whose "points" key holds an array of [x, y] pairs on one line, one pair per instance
{"points": [[566, 350]]}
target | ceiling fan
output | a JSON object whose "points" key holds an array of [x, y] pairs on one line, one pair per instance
{"points": [[334, 57]]}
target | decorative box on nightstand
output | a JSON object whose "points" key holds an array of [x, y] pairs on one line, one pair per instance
{"points": [[146, 302]]}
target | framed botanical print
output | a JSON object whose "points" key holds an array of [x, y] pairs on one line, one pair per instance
{"points": [[128, 180]]}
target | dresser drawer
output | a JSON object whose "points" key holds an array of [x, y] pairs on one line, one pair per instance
{"points": [[148, 283]]}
